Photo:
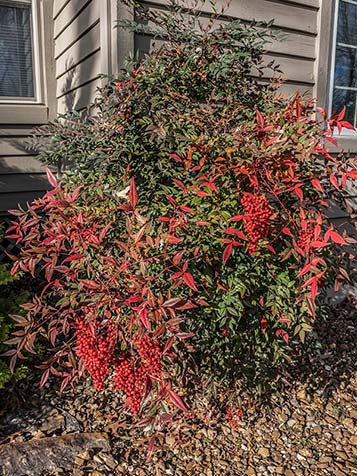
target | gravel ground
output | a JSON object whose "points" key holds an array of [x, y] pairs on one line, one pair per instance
{"points": [[307, 429]]}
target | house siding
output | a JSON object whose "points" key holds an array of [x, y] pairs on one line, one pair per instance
{"points": [[78, 53], [296, 21]]}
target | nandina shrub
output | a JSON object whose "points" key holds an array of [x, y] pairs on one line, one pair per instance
{"points": [[191, 234]]}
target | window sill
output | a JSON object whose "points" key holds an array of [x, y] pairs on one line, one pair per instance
{"points": [[345, 143], [23, 114]]}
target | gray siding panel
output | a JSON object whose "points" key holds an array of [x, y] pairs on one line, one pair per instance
{"points": [[78, 53], [296, 21], [286, 14], [21, 174]]}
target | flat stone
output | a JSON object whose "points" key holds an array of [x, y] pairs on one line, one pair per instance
{"points": [[47, 454], [342, 455], [264, 452]]}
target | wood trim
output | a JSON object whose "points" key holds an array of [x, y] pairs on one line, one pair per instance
{"points": [[122, 40], [105, 40], [48, 56], [347, 144], [324, 44], [323, 69], [38, 113], [23, 114]]}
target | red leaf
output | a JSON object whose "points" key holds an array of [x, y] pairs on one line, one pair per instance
{"points": [[133, 194], [72, 258], [186, 209], [230, 231], [44, 378], [186, 305], [237, 218], [176, 157], [176, 400], [317, 184], [180, 184], [227, 252], [188, 278], [347, 125], [144, 317], [88, 283], [260, 118], [336, 237], [168, 345], [352, 174], [286, 231], [173, 240], [341, 114], [332, 140], [284, 335], [177, 258], [299, 192], [172, 302], [51, 178], [334, 181], [104, 231], [150, 448], [318, 244], [314, 288]]}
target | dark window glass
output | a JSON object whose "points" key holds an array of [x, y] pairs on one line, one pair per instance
{"points": [[347, 23], [346, 67], [16, 65]]}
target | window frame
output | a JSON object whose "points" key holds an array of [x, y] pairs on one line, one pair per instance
{"points": [[36, 70], [346, 133], [33, 112]]}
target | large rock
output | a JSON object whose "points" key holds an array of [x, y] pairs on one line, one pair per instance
{"points": [[39, 456]]}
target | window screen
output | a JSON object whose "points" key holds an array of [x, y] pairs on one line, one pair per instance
{"points": [[345, 74], [16, 63]]}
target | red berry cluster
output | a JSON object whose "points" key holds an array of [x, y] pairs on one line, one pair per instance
{"points": [[256, 220], [95, 351], [149, 352], [305, 238], [132, 379]]}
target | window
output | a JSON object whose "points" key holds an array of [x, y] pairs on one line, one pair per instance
{"points": [[17, 51], [344, 60]]}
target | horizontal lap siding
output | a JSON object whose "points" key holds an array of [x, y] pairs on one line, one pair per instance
{"points": [[295, 21], [78, 53], [21, 174]]}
